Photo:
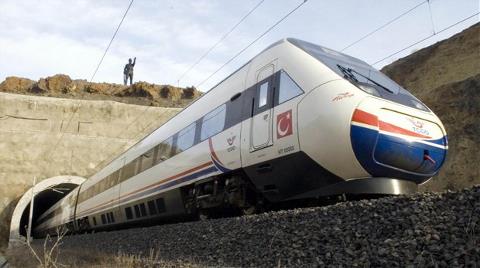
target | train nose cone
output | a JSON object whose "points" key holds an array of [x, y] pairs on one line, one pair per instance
{"points": [[397, 145]]}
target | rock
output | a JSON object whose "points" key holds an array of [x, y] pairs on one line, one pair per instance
{"points": [[16, 84], [308, 236]]}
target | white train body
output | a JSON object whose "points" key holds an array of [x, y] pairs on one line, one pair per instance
{"points": [[297, 121]]}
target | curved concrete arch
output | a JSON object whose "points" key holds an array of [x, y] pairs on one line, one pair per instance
{"points": [[24, 203]]}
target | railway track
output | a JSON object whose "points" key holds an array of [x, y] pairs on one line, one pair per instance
{"points": [[424, 229]]}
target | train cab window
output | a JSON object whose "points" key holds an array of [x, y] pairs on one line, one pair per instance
{"points": [[164, 150], [186, 138], [151, 207], [288, 88], [146, 161], [128, 170], [213, 122], [128, 213], [263, 95]]}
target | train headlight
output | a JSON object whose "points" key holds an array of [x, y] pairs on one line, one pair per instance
{"points": [[369, 89]]}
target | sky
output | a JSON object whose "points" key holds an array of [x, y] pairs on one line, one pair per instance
{"points": [[43, 38]]}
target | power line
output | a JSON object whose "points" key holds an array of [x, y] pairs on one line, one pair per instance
{"points": [[431, 16], [220, 40], [384, 25], [428, 37], [254, 41], [80, 104], [111, 40]]}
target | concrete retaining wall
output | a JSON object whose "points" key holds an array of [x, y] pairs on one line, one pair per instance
{"points": [[47, 137]]}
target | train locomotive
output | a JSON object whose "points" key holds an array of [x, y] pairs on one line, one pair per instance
{"points": [[297, 122]]}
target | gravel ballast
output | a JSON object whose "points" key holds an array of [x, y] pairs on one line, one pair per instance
{"points": [[424, 229]]}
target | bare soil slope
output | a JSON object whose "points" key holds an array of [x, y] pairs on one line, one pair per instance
{"points": [[446, 77], [62, 86]]}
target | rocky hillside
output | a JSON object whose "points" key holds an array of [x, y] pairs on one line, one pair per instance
{"points": [[141, 93], [446, 77]]}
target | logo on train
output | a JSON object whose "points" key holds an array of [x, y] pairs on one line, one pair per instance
{"points": [[342, 96], [231, 140], [418, 126], [284, 124]]}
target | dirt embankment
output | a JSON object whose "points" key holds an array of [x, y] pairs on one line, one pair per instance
{"points": [[446, 77], [141, 93]]}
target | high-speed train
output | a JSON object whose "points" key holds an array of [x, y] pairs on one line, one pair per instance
{"points": [[297, 122]]}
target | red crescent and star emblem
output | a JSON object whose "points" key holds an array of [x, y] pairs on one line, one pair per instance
{"points": [[284, 124]]}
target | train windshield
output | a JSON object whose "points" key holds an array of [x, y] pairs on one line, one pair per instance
{"points": [[361, 74]]}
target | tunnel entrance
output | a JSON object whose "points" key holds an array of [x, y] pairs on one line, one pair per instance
{"points": [[42, 202], [46, 193]]}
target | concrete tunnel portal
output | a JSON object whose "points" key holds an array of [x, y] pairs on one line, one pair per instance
{"points": [[46, 193]]}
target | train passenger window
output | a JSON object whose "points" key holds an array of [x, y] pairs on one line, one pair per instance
{"points": [[146, 160], [164, 150], [186, 137], [128, 171], [288, 88], [94, 221], [128, 213], [151, 208], [112, 180], [137, 211], [104, 220], [160, 205], [143, 210], [213, 122], [111, 216], [263, 95]]}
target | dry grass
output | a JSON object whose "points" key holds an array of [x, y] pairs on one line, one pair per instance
{"points": [[25, 257]]}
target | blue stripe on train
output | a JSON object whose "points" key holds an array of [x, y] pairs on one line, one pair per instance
{"points": [[383, 155], [172, 183]]}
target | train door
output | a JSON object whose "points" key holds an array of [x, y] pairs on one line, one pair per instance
{"points": [[261, 123]]}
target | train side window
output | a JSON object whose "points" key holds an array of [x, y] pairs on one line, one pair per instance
{"points": [[104, 220], [160, 205], [288, 88], [146, 160], [164, 150], [94, 219], [111, 216], [186, 138], [151, 207], [143, 209], [128, 171], [137, 211], [213, 122], [128, 213], [263, 95]]}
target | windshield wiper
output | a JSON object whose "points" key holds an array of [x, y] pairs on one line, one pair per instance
{"points": [[347, 73], [353, 71]]}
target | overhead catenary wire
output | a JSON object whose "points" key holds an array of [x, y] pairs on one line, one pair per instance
{"points": [[111, 40], [220, 40], [384, 25], [431, 15], [49, 154], [428, 37], [251, 43]]}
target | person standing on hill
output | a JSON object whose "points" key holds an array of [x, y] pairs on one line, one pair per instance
{"points": [[128, 71]]}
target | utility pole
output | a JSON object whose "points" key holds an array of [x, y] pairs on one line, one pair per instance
{"points": [[30, 215]]}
